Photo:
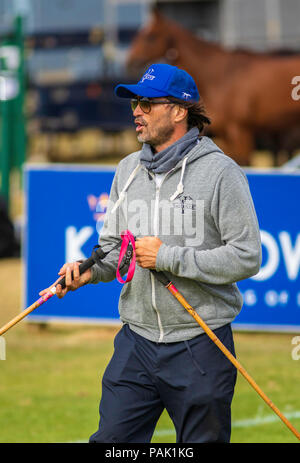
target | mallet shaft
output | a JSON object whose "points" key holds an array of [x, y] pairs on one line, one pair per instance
{"points": [[85, 265], [27, 311], [82, 268]]}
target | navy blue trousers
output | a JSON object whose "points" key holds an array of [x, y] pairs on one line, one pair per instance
{"points": [[192, 380]]}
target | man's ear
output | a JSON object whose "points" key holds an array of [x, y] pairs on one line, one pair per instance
{"points": [[180, 113]]}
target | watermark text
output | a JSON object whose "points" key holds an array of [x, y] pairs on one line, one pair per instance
{"points": [[2, 348]]}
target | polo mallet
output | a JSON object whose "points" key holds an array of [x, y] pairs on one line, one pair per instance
{"points": [[174, 291], [97, 255]]}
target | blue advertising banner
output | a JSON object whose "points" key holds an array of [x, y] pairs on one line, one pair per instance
{"points": [[65, 210], [272, 297]]}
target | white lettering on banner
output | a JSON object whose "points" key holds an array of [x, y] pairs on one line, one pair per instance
{"points": [[139, 222], [290, 253], [272, 263], [272, 298], [75, 240], [250, 297]]}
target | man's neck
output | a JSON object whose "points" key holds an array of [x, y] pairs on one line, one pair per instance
{"points": [[175, 136]]}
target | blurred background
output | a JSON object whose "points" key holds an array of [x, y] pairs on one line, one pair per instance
{"points": [[60, 60]]}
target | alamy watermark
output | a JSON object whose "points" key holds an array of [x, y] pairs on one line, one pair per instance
{"points": [[296, 349], [183, 217], [296, 90], [2, 348]]}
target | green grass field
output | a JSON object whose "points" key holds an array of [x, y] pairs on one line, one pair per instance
{"points": [[51, 379]]}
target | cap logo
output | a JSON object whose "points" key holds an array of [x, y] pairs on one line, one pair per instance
{"points": [[148, 75], [186, 96]]}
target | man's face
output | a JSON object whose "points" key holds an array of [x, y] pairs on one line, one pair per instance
{"points": [[156, 127]]}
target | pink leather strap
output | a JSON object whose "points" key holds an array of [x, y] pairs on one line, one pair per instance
{"points": [[127, 237]]}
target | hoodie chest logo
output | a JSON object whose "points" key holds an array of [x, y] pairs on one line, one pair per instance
{"points": [[184, 202]]}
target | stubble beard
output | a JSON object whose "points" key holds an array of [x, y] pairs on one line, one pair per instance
{"points": [[160, 136]]}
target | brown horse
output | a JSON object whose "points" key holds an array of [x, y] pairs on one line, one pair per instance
{"points": [[245, 93]]}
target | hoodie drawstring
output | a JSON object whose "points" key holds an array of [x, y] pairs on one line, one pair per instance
{"points": [[122, 194], [180, 187]]}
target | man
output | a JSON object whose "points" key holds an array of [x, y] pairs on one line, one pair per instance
{"points": [[190, 208]]}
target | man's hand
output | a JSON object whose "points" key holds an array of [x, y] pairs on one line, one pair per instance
{"points": [[146, 251], [71, 285]]}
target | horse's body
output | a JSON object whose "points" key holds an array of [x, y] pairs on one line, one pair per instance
{"points": [[245, 93]]}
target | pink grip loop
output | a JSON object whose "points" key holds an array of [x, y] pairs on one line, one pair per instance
{"points": [[126, 237]]}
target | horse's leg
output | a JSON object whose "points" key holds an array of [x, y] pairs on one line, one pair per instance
{"points": [[239, 142]]}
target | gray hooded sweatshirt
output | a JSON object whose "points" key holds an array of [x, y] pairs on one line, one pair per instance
{"points": [[203, 213]]}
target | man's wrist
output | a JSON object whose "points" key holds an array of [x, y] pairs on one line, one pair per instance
{"points": [[162, 257]]}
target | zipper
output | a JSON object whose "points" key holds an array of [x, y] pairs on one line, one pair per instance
{"points": [[155, 230], [161, 330]]}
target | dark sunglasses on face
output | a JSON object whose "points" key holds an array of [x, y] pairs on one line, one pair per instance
{"points": [[145, 104]]}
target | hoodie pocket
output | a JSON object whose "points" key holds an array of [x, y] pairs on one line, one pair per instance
{"points": [[124, 291], [201, 301], [135, 304]]}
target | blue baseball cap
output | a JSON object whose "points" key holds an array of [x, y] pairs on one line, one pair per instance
{"points": [[162, 80]]}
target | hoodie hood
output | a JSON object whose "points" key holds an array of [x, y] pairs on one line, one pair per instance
{"points": [[165, 160]]}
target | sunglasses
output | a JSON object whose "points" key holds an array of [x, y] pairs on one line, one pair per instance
{"points": [[145, 104]]}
